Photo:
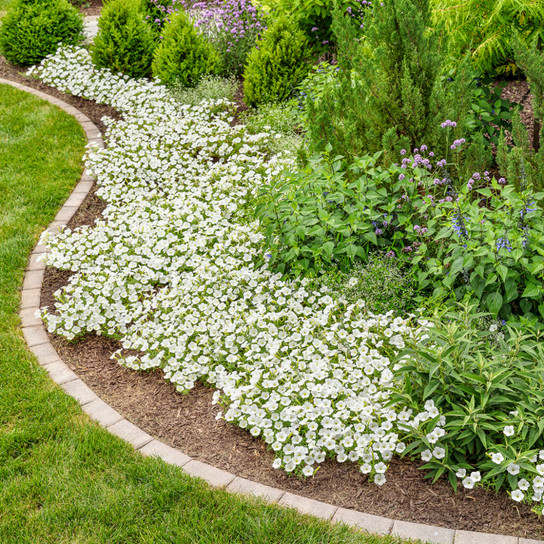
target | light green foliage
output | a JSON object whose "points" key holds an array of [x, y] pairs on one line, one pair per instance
{"points": [[390, 92], [485, 28], [482, 382], [210, 87], [124, 42], [310, 14], [282, 118], [184, 55], [32, 30], [277, 65], [380, 282]]}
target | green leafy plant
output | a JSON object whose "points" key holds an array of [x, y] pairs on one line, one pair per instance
{"points": [[481, 238], [124, 43], [481, 391], [210, 87], [390, 92], [184, 55], [380, 282], [315, 18], [277, 64], [485, 28], [283, 119], [31, 30]]}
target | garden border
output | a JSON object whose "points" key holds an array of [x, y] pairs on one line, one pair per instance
{"points": [[38, 342]]}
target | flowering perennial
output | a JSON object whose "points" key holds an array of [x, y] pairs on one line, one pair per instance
{"points": [[174, 271]]}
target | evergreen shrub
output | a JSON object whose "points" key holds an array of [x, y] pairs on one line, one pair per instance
{"points": [[33, 29], [277, 65], [390, 92], [125, 42], [184, 55]]}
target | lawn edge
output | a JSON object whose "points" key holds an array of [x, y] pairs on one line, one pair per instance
{"points": [[98, 410]]}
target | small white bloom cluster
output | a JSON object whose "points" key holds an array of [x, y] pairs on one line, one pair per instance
{"points": [[525, 489], [173, 272]]}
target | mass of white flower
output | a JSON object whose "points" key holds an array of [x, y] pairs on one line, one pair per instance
{"points": [[175, 269]]}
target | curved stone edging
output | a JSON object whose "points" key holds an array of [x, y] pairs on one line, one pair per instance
{"points": [[38, 342]]}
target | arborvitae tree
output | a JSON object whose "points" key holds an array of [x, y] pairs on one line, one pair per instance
{"points": [[391, 93], [125, 42], [33, 29], [277, 65], [184, 55]]}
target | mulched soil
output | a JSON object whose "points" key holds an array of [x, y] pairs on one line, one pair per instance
{"points": [[93, 7], [188, 421]]}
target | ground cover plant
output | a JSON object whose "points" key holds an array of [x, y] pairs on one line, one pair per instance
{"points": [[61, 476], [202, 268], [177, 274]]}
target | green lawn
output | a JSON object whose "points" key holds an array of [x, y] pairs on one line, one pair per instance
{"points": [[63, 479]]}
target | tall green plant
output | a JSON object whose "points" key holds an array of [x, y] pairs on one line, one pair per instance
{"points": [[524, 162], [390, 93], [125, 42], [184, 55], [277, 65]]}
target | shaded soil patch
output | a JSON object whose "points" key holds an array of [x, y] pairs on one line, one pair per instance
{"points": [[93, 7], [189, 423]]}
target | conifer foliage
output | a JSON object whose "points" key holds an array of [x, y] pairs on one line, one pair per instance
{"points": [[390, 92], [125, 42], [184, 55], [33, 29], [277, 65]]}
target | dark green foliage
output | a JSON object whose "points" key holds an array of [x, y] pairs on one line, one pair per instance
{"points": [[277, 65], [31, 30], [184, 55], [390, 93], [125, 43]]}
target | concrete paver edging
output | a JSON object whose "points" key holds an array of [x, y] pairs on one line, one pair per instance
{"points": [[38, 342]]}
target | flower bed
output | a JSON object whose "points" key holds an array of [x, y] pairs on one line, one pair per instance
{"points": [[173, 272]]}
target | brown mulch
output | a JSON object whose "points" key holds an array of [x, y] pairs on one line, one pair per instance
{"points": [[188, 422], [92, 7], [90, 108]]}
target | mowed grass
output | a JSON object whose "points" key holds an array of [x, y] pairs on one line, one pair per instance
{"points": [[63, 479]]}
